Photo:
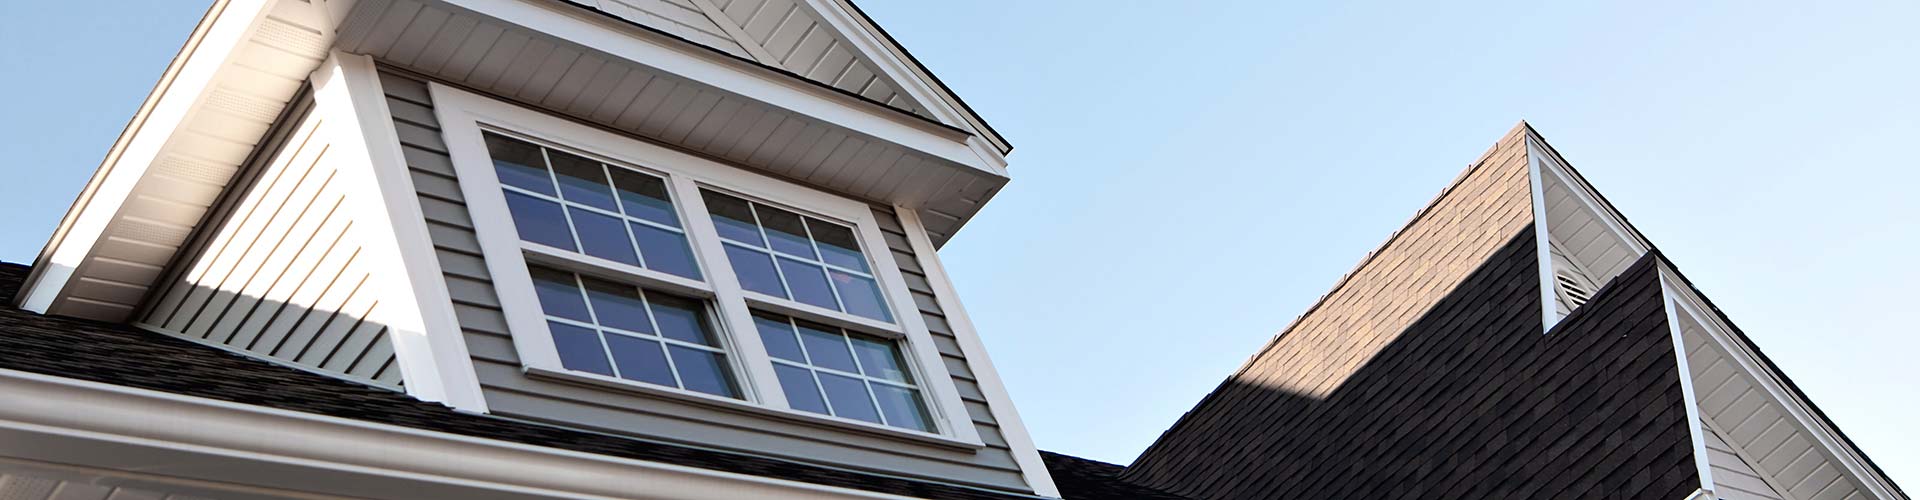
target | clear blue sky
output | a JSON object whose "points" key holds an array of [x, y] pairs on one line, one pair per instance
{"points": [[1189, 179]]}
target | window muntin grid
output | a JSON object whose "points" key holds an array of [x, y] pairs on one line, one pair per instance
{"points": [[566, 201], [780, 253], [628, 332], [832, 371]]}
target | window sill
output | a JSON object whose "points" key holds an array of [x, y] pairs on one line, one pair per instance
{"points": [[742, 406]]}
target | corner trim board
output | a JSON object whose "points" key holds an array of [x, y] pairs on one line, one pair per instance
{"points": [[426, 336], [1025, 452]]}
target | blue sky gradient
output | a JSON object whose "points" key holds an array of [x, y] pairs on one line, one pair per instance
{"points": [[1190, 177]]}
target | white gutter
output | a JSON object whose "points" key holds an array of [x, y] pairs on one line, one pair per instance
{"points": [[61, 420]]}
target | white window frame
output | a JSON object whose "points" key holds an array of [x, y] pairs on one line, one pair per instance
{"points": [[464, 115]]}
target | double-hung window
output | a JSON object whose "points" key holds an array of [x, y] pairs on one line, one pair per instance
{"points": [[709, 286]]}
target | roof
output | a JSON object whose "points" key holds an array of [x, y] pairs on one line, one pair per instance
{"points": [[126, 356], [1084, 479]]}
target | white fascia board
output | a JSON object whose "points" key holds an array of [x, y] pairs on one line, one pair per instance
{"points": [[1543, 243], [578, 26], [890, 60], [422, 325], [1025, 453], [92, 424], [227, 25], [1798, 410], [1688, 392]]}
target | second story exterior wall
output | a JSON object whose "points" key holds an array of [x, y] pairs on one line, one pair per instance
{"points": [[511, 391]]}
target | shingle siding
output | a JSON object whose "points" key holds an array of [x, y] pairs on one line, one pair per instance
{"points": [[509, 391]]}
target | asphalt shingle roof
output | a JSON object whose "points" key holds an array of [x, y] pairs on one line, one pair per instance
{"points": [[126, 356]]}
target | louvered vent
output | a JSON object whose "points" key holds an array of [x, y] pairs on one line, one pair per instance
{"points": [[1572, 289]]}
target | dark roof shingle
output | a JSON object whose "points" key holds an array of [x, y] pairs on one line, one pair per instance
{"points": [[126, 356]]}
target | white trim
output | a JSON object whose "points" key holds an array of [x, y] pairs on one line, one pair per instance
{"points": [[1692, 405], [885, 59], [1589, 199], [1024, 452], [744, 78], [206, 440], [174, 101], [427, 342], [1543, 241], [463, 115], [1799, 411]]}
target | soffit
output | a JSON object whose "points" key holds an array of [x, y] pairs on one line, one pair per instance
{"points": [[482, 52]]}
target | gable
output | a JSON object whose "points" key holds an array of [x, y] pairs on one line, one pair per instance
{"points": [[829, 42]]}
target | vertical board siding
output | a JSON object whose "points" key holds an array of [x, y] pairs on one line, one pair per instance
{"points": [[509, 391], [277, 272]]}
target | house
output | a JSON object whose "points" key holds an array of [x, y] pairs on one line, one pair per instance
{"points": [[688, 249]]}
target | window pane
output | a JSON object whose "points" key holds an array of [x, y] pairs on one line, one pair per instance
{"points": [[581, 180], [902, 407], [579, 348], [733, 218], [861, 295], [665, 251], [558, 294], [801, 392], [644, 196], [519, 164], [785, 231], [755, 271], [837, 245], [826, 347], [808, 282], [640, 360], [603, 236], [539, 221], [849, 397], [681, 319], [777, 334], [702, 371], [880, 359], [618, 306]]}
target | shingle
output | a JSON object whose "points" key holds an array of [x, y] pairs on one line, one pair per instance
{"points": [[125, 356]]}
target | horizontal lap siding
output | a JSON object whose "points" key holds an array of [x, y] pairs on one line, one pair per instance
{"points": [[509, 391], [280, 273], [942, 332], [1733, 478]]}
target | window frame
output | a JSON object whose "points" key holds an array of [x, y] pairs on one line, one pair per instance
{"points": [[464, 116]]}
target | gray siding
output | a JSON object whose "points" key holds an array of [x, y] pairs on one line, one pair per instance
{"points": [[277, 271], [1733, 477], [510, 392]]}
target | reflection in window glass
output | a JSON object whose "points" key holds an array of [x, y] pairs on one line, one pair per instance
{"points": [[808, 249], [828, 370], [635, 224], [539, 221], [623, 331]]}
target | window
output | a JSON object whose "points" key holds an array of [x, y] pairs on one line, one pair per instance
{"points": [[624, 331], [620, 290], [787, 255], [566, 201], [831, 371]]}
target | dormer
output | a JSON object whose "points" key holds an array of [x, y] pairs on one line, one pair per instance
{"points": [[706, 223]]}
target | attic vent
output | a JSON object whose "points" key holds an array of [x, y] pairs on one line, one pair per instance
{"points": [[1573, 289]]}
